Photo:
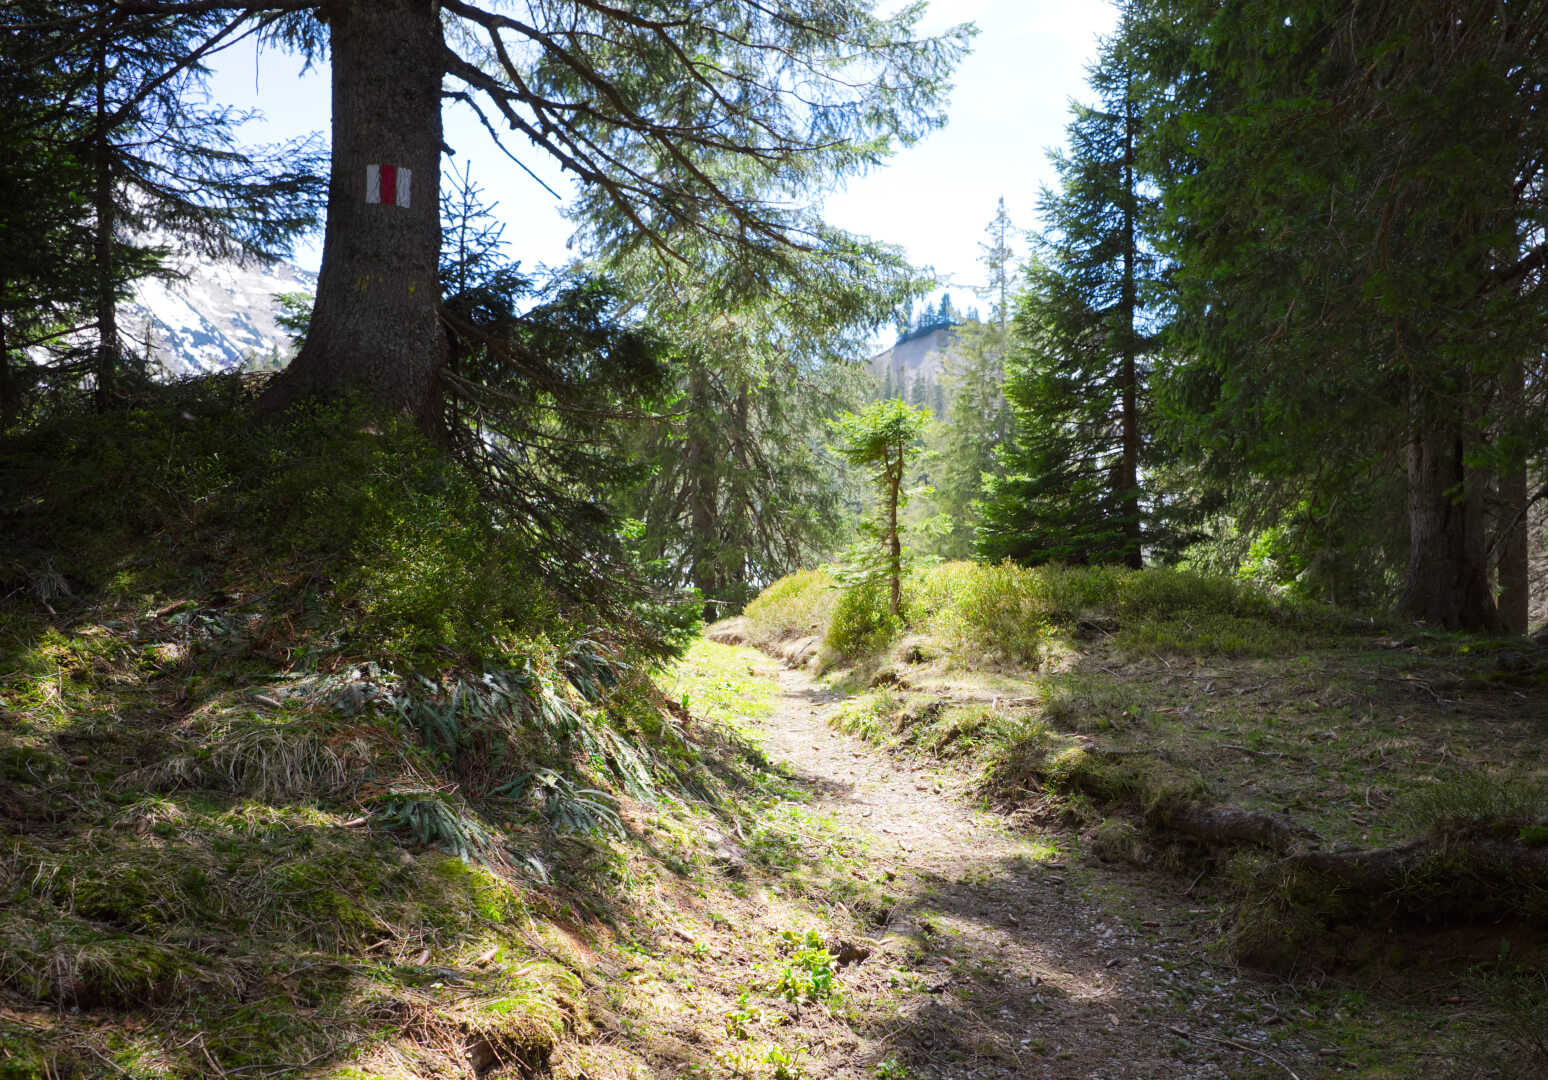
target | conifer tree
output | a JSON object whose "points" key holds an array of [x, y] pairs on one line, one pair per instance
{"points": [[1085, 328], [743, 489], [999, 258], [149, 165], [44, 239], [884, 439], [979, 421], [667, 118], [1357, 219]]}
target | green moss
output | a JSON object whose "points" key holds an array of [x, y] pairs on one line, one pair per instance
{"points": [[23, 1056], [483, 892], [27, 765]]}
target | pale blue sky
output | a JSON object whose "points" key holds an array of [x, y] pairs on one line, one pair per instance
{"points": [[1009, 106]]}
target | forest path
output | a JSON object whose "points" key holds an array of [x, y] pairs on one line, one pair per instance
{"points": [[1024, 963]]}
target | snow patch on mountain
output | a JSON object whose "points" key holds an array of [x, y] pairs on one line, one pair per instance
{"points": [[217, 315]]}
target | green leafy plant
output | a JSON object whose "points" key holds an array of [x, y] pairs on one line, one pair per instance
{"points": [[567, 808], [808, 974], [435, 821], [785, 1062], [744, 1013]]}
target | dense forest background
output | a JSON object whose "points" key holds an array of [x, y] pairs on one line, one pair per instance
{"points": [[1280, 318], [370, 709]]}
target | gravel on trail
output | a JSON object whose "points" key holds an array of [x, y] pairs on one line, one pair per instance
{"points": [[1036, 963]]}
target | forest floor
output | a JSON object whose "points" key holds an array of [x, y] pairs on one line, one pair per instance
{"points": [[1002, 945], [1030, 965]]}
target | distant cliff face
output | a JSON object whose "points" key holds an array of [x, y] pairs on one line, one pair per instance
{"points": [[219, 314], [918, 359]]}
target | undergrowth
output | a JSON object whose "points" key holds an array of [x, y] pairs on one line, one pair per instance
{"points": [[1134, 705], [298, 753], [1013, 615]]}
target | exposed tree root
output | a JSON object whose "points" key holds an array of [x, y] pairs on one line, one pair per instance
{"points": [[1228, 825], [1383, 870]]}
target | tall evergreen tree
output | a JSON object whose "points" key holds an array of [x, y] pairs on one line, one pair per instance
{"points": [[1085, 327], [999, 258], [153, 166], [743, 489], [668, 118], [45, 280], [883, 438], [978, 422], [1358, 220]]}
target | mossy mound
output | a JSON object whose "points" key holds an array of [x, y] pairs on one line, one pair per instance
{"points": [[298, 753]]}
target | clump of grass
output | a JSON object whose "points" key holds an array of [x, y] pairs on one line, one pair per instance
{"points": [[70, 962], [718, 682], [869, 716], [268, 759], [1474, 799], [1083, 701], [1117, 840], [1207, 634], [797, 605]]}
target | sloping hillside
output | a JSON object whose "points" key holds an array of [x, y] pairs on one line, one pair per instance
{"points": [[915, 358], [221, 312]]}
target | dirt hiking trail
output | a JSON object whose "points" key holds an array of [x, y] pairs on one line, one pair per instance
{"points": [[1026, 964]]}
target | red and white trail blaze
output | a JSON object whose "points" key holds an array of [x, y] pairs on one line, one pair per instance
{"points": [[388, 184]]}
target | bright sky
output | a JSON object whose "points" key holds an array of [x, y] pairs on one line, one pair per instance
{"points": [[1010, 105]]}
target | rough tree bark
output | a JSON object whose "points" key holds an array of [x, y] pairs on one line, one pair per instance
{"points": [[738, 530], [374, 327], [1448, 570], [10, 404], [894, 537]]}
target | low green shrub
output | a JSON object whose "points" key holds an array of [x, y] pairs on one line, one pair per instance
{"points": [[797, 605], [1013, 613], [996, 610], [861, 625]]}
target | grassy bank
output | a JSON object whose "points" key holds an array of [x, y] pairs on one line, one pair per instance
{"points": [[305, 770], [1217, 735]]}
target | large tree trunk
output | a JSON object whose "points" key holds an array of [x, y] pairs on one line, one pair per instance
{"points": [[374, 330], [894, 534], [1448, 573], [739, 533], [1133, 555], [10, 398]]}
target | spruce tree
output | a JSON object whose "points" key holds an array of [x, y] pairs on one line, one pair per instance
{"points": [[1357, 224], [148, 165], [1085, 328], [743, 490], [715, 123], [45, 279], [883, 438]]}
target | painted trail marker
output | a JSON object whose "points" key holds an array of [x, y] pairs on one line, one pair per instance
{"points": [[388, 184]]}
